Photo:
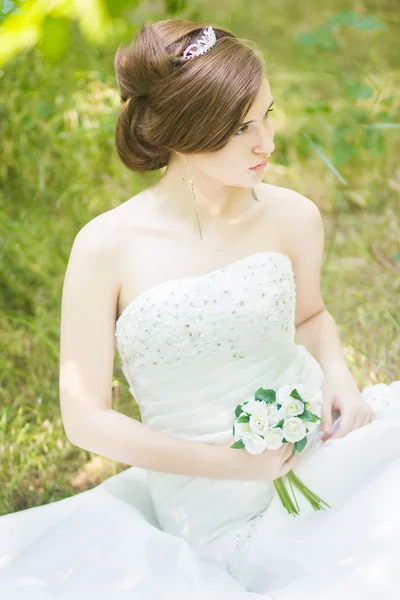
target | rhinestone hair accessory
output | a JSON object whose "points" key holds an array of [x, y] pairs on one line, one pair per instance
{"points": [[202, 44]]}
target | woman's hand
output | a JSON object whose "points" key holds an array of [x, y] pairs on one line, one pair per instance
{"points": [[268, 465], [346, 398]]}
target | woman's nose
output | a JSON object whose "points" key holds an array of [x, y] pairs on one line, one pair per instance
{"points": [[265, 144], [264, 149]]}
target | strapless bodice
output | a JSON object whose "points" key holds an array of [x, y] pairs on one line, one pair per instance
{"points": [[193, 348]]}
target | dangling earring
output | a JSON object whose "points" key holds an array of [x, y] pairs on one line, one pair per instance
{"points": [[190, 173], [189, 166]]}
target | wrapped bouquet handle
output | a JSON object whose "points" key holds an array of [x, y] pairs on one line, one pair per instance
{"points": [[273, 418]]}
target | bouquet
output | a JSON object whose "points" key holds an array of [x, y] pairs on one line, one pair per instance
{"points": [[272, 419]]}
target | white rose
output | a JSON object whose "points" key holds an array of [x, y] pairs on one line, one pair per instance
{"points": [[241, 429], [274, 438], [274, 415], [253, 406], [267, 414], [283, 393], [259, 422], [294, 429], [254, 443], [309, 395], [291, 407]]}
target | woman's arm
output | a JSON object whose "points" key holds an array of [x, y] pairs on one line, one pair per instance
{"points": [[87, 347], [124, 439]]}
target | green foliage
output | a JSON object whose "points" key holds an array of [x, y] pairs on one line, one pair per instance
{"points": [[325, 36], [238, 410], [299, 446], [47, 25], [295, 394], [307, 415], [265, 395], [243, 419], [239, 444]]}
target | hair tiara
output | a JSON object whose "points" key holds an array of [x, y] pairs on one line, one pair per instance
{"points": [[202, 44]]}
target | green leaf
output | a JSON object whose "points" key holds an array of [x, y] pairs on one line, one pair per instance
{"points": [[7, 6], [243, 419], [369, 22], [326, 160], [238, 444], [307, 415], [56, 37], [238, 411], [295, 394], [299, 446], [265, 395], [356, 89]]}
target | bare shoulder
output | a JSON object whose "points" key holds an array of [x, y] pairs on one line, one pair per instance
{"points": [[100, 234], [297, 216], [103, 236], [93, 270], [287, 203]]}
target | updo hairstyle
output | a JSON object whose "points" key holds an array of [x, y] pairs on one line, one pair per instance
{"points": [[175, 104]]}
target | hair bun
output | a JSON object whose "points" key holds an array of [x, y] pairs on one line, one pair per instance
{"points": [[139, 65], [138, 68]]}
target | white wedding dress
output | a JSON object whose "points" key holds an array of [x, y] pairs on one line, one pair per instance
{"points": [[191, 350]]}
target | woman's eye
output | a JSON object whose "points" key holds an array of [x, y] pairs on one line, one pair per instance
{"points": [[239, 131], [246, 126]]}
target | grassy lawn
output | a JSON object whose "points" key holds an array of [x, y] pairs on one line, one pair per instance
{"points": [[334, 76]]}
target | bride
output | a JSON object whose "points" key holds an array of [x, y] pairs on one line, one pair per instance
{"points": [[208, 285]]}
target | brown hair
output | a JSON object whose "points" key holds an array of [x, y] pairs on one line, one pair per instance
{"points": [[170, 103]]}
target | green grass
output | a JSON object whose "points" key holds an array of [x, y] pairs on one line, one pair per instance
{"points": [[334, 78]]}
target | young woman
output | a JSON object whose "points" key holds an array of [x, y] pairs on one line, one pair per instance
{"points": [[208, 285]]}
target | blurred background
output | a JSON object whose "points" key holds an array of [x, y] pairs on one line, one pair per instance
{"points": [[333, 66]]}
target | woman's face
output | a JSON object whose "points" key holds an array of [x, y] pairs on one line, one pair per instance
{"points": [[251, 144]]}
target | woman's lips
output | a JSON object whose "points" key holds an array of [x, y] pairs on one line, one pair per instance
{"points": [[260, 166]]}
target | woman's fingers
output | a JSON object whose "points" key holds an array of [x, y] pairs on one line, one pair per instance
{"points": [[289, 464]]}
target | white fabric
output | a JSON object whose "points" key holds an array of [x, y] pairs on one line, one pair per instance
{"points": [[191, 350]]}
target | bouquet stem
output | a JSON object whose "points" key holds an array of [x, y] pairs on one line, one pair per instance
{"points": [[285, 498], [315, 501]]}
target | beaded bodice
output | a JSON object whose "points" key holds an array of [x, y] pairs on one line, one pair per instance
{"points": [[193, 348], [223, 311]]}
